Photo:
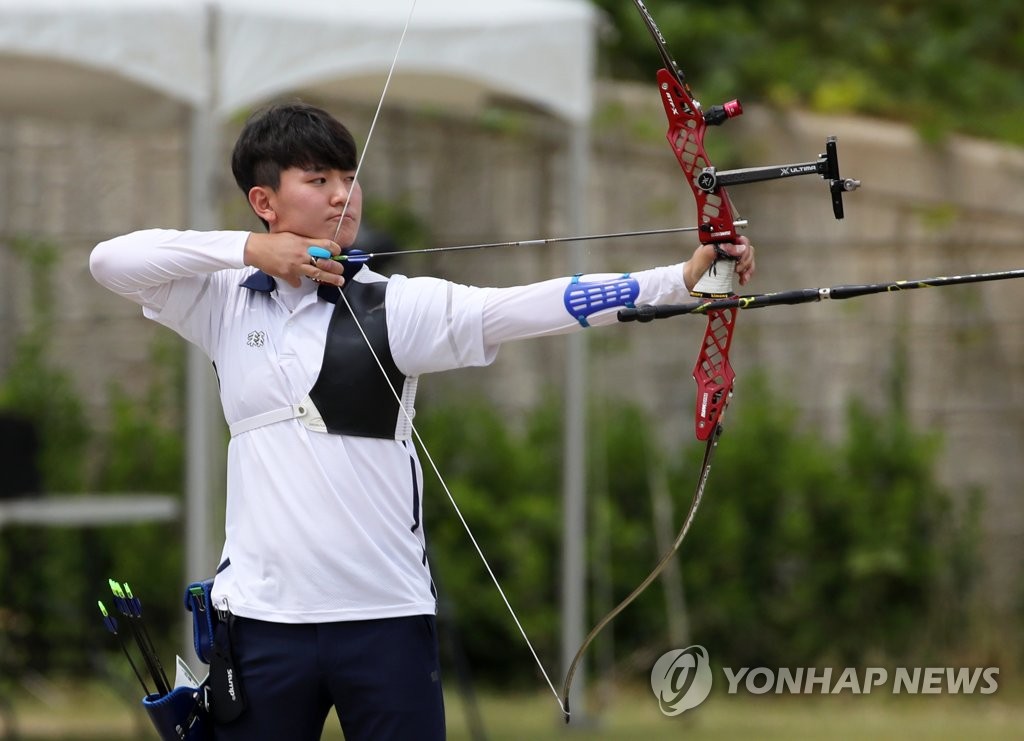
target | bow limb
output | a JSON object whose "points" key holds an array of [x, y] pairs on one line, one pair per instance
{"points": [[716, 224], [698, 495], [405, 412]]}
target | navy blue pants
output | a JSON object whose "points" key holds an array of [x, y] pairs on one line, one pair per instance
{"points": [[382, 677]]}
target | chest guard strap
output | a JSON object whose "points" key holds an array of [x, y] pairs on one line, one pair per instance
{"points": [[351, 396]]}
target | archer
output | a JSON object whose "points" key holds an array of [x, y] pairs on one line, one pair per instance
{"points": [[324, 589]]}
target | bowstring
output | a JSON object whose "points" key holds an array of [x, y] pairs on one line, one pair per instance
{"points": [[376, 116], [458, 511], [394, 391]]}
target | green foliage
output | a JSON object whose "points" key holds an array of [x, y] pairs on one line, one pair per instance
{"points": [[942, 65], [38, 390], [144, 448], [53, 576], [808, 552], [143, 451], [503, 484], [399, 221], [804, 551]]}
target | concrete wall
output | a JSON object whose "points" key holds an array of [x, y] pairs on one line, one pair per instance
{"points": [[923, 211]]}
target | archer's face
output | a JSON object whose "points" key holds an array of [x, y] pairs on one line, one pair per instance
{"points": [[310, 203]]}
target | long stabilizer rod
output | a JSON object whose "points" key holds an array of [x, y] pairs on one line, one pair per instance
{"points": [[806, 295]]}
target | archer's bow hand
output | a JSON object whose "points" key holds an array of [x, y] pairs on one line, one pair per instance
{"points": [[706, 255], [286, 256]]}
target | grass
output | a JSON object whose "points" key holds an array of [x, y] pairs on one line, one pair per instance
{"points": [[93, 712]]}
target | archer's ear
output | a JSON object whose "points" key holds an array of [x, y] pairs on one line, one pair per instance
{"points": [[260, 198]]}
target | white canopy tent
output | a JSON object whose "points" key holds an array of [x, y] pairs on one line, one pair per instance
{"points": [[111, 56], [204, 60]]}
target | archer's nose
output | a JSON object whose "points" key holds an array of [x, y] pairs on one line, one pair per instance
{"points": [[341, 193]]}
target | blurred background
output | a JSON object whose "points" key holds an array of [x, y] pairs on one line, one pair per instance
{"points": [[866, 507]]}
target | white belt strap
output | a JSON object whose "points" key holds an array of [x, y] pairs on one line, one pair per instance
{"points": [[404, 425], [305, 411], [309, 416]]}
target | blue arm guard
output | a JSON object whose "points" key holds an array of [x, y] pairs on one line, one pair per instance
{"points": [[583, 299]]}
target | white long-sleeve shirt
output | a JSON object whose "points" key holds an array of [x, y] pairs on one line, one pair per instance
{"points": [[323, 527]]}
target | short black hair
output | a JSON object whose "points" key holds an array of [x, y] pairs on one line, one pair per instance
{"points": [[287, 135]]}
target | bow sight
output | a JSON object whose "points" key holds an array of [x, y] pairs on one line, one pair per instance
{"points": [[687, 123], [827, 165]]}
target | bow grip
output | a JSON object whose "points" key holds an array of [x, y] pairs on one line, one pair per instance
{"points": [[719, 280]]}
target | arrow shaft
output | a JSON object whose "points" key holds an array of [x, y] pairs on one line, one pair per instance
{"points": [[527, 242]]}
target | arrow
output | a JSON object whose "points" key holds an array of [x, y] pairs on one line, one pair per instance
{"points": [[360, 257], [130, 606], [111, 622]]}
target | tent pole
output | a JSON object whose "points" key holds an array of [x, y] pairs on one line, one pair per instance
{"points": [[204, 452], [574, 510]]}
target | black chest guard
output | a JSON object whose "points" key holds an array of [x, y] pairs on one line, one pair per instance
{"points": [[351, 394]]}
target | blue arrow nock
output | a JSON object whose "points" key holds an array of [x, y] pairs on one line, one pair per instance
{"points": [[108, 620], [354, 256], [133, 602]]}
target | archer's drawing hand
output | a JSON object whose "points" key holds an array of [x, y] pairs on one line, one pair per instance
{"points": [[286, 256], [704, 257]]}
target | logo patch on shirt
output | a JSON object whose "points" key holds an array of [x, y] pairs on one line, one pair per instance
{"points": [[256, 338]]}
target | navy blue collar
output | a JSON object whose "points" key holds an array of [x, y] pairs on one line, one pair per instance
{"points": [[260, 281]]}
